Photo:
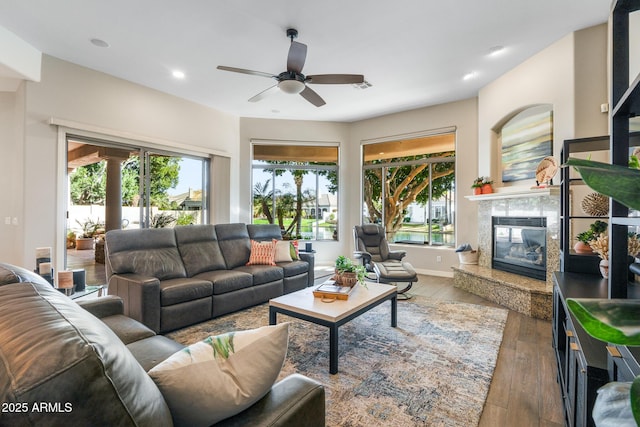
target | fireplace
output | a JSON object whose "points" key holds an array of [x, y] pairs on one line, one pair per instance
{"points": [[519, 245]]}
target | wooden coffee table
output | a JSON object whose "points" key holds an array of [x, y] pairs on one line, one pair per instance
{"points": [[302, 305]]}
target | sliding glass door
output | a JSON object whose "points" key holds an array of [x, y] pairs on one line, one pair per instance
{"points": [[114, 186]]}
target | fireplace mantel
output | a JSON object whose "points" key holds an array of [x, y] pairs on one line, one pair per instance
{"points": [[553, 190]]}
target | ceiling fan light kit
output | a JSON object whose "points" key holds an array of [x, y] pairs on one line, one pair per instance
{"points": [[291, 86], [293, 81]]}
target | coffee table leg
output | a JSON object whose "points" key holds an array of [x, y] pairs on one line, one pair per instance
{"points": [[394, 311], [272, 316], [333, 349]]}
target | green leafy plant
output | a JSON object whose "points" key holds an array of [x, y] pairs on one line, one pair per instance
{"points": [[346, 265], [162, 220], [593, 232], [611, 320], [90, 227], [477, 182]]}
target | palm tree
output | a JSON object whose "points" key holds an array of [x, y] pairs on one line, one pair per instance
{"points": [[263, 199]]}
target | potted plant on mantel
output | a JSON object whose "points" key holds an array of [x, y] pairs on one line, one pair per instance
{"points": [[482, 185], [615, 321], [348, 273]]}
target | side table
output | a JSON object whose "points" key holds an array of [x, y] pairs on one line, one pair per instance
{"points": [[88, 290]]}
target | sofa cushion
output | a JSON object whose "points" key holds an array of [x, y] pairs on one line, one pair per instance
{"points": [[227, 280], [149, 252], [175, 291], [235, 244], [263, 273], [261, 232], [13, 274], [52, 350], [198, 246], [262, 253], [294, 268], [222, 375]]}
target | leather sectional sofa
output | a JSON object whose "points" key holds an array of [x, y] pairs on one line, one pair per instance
{"points": [[170, 278], [68, 363]]}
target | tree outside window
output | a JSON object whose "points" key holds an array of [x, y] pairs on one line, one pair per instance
{"points": [[408, 187], [296, 188]]}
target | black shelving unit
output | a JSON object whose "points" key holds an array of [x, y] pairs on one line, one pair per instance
{"points": [[571, 261], [580, 358]]}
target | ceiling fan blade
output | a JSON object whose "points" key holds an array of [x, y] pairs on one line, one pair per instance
{"points": [[243, 71], [297, 56], [335, 79], [264, 94], [311, 96]]}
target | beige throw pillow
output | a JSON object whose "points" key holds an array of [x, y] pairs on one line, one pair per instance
{"points": [[221, 376], [283, 251]]}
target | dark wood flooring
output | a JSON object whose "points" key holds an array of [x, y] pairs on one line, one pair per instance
{"points": [[524, 391]]}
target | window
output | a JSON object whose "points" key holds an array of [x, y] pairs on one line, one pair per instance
{"points": [[409, 187], [296, 187]]}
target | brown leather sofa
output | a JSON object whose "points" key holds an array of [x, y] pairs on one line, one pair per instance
{"points": [[63, 363], [170, 278]]}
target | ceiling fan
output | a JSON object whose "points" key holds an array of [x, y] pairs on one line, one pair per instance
{"points": [[293, 81]]}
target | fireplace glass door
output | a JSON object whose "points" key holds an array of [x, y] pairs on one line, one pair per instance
{"points": [[519, 246]]}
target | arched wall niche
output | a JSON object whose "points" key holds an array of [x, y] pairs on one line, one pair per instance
{"points": [[496, 143]]}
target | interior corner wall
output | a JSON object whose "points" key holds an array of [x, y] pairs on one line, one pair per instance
{"points": [[545, 78], [463, 116], [67, 91], [570, 75], [11, 193], [304, 131], [591, 83]]}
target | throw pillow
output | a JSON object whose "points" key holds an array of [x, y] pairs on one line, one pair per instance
{"points": [[282, 251], [221, 376], [261, 253], [294, 250]]}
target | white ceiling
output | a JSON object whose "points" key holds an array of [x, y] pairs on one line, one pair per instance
{"points": [[413, 52]]}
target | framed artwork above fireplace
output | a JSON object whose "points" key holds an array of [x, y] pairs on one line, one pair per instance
{"points": [[527, 138]]}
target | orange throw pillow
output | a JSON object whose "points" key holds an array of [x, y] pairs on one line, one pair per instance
{"points": [[262, 253]]}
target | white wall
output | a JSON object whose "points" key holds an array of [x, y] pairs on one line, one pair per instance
{"points": [[11, 188], [570, 75], [99, 101]]}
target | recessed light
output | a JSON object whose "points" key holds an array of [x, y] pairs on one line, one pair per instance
{"points": [[469, 76], [496, 50], [178, 74], [99, 43], [275, 111]]}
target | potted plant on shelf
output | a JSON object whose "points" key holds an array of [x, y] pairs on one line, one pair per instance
{"points": [[615, 321], [348, 273], [583, 246]]}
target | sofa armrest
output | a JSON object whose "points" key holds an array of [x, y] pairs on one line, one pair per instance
{"points": [[310, 258], [141, 297], [109, 305], [295, 401]]}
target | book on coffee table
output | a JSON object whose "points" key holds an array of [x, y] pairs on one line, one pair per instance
{"points": [[329, 289]]}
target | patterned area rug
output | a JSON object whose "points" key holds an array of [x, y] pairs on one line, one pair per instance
{"points": [[434, 369]]}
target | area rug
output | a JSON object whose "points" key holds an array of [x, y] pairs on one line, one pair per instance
{"points": [[434, 369]]}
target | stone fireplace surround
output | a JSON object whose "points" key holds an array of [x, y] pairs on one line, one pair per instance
{"points": [[523, 294]]}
